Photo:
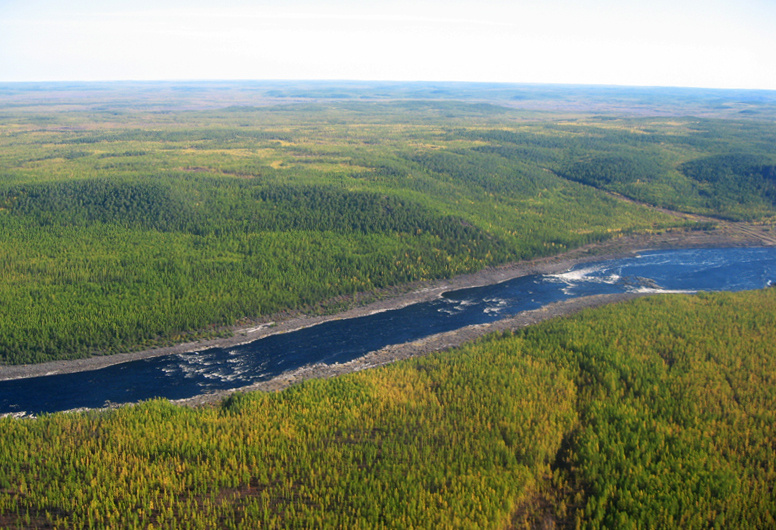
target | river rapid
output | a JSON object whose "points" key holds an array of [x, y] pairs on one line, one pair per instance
{"points": [[190, 374]]}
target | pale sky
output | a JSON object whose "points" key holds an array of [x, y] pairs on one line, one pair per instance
{"points": [[698, 43]]}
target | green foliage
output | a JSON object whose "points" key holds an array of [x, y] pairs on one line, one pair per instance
{"points": [[312, 208], [676, 405], [734, 183], [127, 224], [143, 204], [404, 447], [625, 416], [721, 168], [124, 230], [685, 166], [608, 170]]}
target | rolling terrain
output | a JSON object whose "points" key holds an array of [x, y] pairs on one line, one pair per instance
{"points": [[141, 215], [127, 224]]}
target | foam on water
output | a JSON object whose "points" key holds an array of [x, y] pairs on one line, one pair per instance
{"points": [[455, 306], [588, 274], [576, 275], [495, 305], [187, 374], [652, 290], [599, 274]]}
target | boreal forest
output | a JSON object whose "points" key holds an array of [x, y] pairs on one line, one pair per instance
{"points": [[136, 215], [125, 223]]}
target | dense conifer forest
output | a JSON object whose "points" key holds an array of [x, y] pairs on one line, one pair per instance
{"points": [[140, 214], [627, 416], [130, 219]]}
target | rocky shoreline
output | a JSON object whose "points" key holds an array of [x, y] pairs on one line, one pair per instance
{"points": [[725, 236], [420, 347]]}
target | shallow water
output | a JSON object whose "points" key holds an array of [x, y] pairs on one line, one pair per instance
{"points": [[190, 374]]}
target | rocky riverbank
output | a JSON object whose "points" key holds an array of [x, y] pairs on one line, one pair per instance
{"points": [[726, 235]]}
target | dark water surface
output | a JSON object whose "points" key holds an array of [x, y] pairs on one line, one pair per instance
{"points": [[189, 374]]}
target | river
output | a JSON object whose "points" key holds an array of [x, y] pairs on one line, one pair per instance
{"points": [[189, 374]]}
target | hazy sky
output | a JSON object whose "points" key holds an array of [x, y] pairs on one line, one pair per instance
{"points": [[702, 43]]}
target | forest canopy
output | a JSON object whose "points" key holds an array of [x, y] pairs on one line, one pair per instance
{"points": [[627, 416], [125, 223]]}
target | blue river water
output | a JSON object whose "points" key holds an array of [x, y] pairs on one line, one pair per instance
{"points": [[339, 341]]}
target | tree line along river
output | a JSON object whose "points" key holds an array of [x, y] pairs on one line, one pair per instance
{"points": [[185, 375]]}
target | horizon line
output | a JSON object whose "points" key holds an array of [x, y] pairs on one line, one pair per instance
{"points": [[388, 81]]}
